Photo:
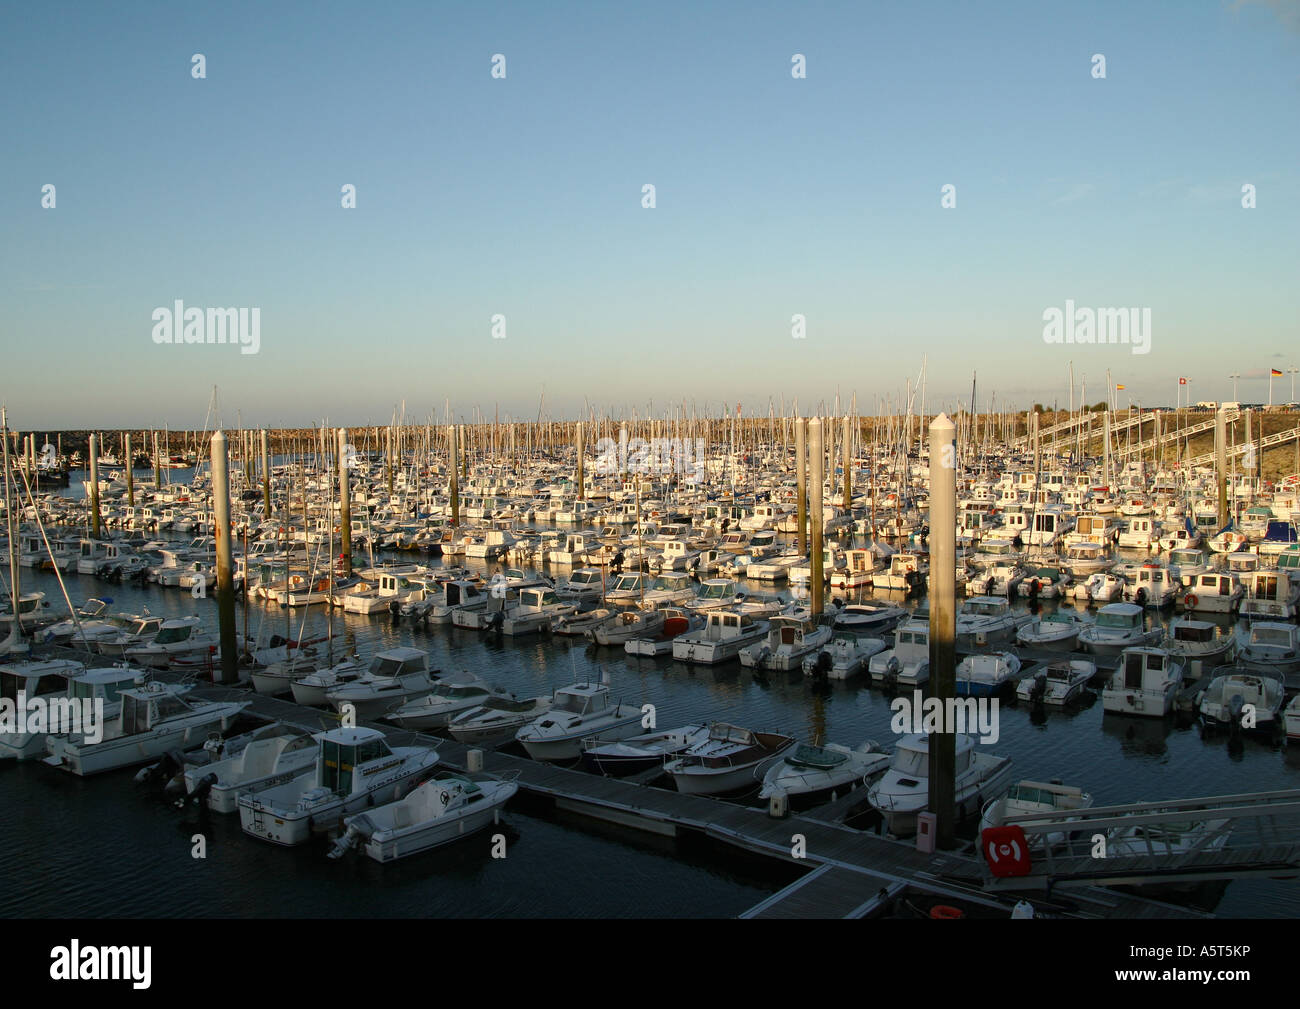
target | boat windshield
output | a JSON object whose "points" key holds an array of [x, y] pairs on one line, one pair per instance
{"points": [[1270, 636], [913, 762], [1124, 620], [172, 635]]}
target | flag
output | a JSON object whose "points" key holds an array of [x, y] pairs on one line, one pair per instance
{"points": [[1182, 381], [1275, 372], [1119, 387]]}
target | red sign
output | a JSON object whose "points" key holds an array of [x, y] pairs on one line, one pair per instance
{"points": [[1006, 851]]}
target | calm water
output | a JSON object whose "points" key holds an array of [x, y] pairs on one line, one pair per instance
{"points": [[104, 847]]}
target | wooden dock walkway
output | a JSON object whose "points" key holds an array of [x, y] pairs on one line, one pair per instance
{"points": [[852, 873]]}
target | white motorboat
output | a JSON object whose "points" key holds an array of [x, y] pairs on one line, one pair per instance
{"points": [[810, 773], [1101, 587], [456, 596], [450, 806], [179, 641], [639, 753], [628, 624], [730, 759], [312, 688], [533, 611], [1057, 631], [723, 635], [153, 719], [908, 662], [1214, 592], [354, 769], [1200, 645], [675, 624], [1152, 584], [1270, 647], [44, 678], [984, 674], [579, 711], [987, 620], [1118, 626], [584, 585], [395, 677], [497, 718], [790, 637], [1170, 839], [1028, 801], [845, 655], [904, 790], [436, 709], [136, 632], [1242, 700], [1145, 683], [1057, 683], [585, 623], [1292, 718], [270, 758]]}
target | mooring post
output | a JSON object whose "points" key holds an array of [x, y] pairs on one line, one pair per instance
{"points": [[453, 468], [943, 620], [225, 560], [817, 459], [345, 502], [94, 486], [801, 480]]}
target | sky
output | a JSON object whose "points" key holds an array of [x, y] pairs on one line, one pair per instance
{"points": [[521, 196]]}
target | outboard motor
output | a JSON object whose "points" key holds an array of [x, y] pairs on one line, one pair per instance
{"points": [[200, 792], [172, 764], [495, 620], [820, 666], [1236, 706], [891, 673], [359, 831], [1039, 689], [395, 611]]}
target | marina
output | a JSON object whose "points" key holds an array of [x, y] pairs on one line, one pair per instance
{"points": [[767, 679]]}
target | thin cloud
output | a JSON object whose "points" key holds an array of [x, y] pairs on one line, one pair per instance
{"points": [[1075, 193]]}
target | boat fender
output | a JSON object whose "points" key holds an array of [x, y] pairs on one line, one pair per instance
{"points": [[942, 911]]}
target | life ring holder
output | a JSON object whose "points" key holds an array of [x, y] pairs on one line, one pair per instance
{"points": [[1190, 601]]}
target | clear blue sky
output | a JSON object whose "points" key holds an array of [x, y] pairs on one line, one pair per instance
{"points": [[522, 196]]}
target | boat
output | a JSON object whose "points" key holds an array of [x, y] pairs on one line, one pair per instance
{"points": [[845, 655], [906, 573], [584, 623], [723, 635], [312, 688], [872, 618], [618, 758], [1027, 801], [987, 620], [1045, 582], [1199, 644], [1152, 584], [579, 711], [354, 769], [729, 759], [1057, 631], [1118, 626], [984, 674], [904, 790], [1101, 587], [790, 637], [809, 773], [628, 624], [270, 758], [44, 678], [1169, 839], [395, 677], [497, 718], [1145, 683], [675, 624], [179, 641], [1242, 699], [450, 806], [1057, 683], [1270, 647], [153, 719], [1292, 718], [534, 610], [907, 663], [1214, 592], [436, 709]]}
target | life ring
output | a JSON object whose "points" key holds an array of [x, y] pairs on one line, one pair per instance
{"points": [[941, 911], [1191, 601], [911, 567]]}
